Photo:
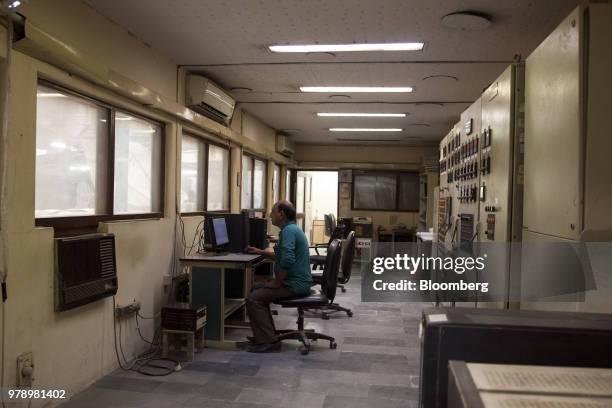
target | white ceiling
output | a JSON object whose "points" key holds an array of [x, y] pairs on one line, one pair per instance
{"points": [[226, 41]]}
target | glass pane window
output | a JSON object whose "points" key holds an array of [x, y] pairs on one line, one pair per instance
{"points": [[218, 178], [247, 177], [375, 191], [409, 192], [193, 153], [259, 182], [71, 155], [137, 165], [276, 184], [288, 185]]}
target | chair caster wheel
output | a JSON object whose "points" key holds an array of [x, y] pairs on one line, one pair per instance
{"points": [[333, 345], [343, 290], [304, 350], [325, 316], [349, 313]]}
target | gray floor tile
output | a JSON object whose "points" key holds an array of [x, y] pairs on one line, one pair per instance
{"points": [[354, 402], [127, 384], [222, 368], [267, 397], [383, 342], [302, 400], [393, 392]]}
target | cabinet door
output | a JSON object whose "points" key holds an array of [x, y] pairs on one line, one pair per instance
{"points": [[553, 133]]}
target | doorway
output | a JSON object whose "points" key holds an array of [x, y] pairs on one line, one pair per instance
{"points": [[316, 195]]}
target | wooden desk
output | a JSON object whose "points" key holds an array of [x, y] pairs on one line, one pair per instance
{"points": [[222, 282]]}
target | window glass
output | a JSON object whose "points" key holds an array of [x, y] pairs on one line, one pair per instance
{"points": [[375, 191], [218, 178], [276, 184], [409, 192], [288, 185], [259, 182], [247, 177], [192, 174], [71, 155], [137, 165]]}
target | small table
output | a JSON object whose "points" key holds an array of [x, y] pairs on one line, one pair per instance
{"points": [[222, 283]]}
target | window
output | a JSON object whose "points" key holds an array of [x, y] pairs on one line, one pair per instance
{"points": [[385, 191], [253, 183], [288, 185], [247, 182], [137, 165], [193, 152], [276, 184], [88, 171], [204, 176], [218, 179], [71, 155]]}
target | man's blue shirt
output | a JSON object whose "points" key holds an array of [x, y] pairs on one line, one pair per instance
{"points": [[293, 256]]}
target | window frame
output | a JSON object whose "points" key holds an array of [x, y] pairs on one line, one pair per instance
{"points": [[89, 223], [207, 143], [396, 174], [253, 158]]}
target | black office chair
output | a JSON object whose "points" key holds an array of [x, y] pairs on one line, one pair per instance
{"points": [[315, 299], [346, 266], [318, 260]]}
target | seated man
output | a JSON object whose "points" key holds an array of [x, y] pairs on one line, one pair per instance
{"points": [[292, 277]]}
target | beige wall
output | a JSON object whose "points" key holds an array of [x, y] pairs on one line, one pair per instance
{"points": [[334, 156], [74, 348], [86, 30]]}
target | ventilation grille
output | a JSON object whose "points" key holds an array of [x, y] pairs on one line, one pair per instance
{"points": [[85, 270], [210, 113]]}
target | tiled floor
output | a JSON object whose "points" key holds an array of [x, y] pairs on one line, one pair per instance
{"points": [[376, 364]]}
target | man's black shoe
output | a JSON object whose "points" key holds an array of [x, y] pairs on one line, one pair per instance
{"points": [[264, 348]]}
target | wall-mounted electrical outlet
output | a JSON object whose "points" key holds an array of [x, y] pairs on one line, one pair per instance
{"points": [[25, 370], [127, 310]]}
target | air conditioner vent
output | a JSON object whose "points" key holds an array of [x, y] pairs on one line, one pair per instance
{"points": [[85, 270]]}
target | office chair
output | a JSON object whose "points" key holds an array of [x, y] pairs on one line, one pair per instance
{"points": [[318, 260], [314, 300], [346, 265]]}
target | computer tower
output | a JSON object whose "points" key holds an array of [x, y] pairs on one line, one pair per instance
{"points": [[258, 229], [507, 337], [238, 231]]}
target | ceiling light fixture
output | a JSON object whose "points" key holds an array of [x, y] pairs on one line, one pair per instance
{"points": [[353, 89], [364, 115], [410, 46], [365, 130]]}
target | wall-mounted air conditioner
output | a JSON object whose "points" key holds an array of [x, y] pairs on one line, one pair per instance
{"points": [[85, 270], [284, 145], [208, 99]]}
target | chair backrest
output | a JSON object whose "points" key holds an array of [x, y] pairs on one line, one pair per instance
{"points": [[348, 252], [331, 269], [328, 225], [334, 224]]}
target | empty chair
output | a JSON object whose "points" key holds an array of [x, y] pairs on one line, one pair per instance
{"points": [[346, 266]]}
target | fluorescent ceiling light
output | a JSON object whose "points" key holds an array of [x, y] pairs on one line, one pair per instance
{"points": [[350, 89], [364, 115], [411, 46], [365, 130]]}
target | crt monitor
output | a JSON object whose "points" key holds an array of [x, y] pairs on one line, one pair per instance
{"points": [[218, 233]]}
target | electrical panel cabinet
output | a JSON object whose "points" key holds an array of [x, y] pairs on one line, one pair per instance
{"points": [[567, 151]]}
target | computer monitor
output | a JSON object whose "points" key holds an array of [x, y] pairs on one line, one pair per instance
{"points": [[217, 230]]}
